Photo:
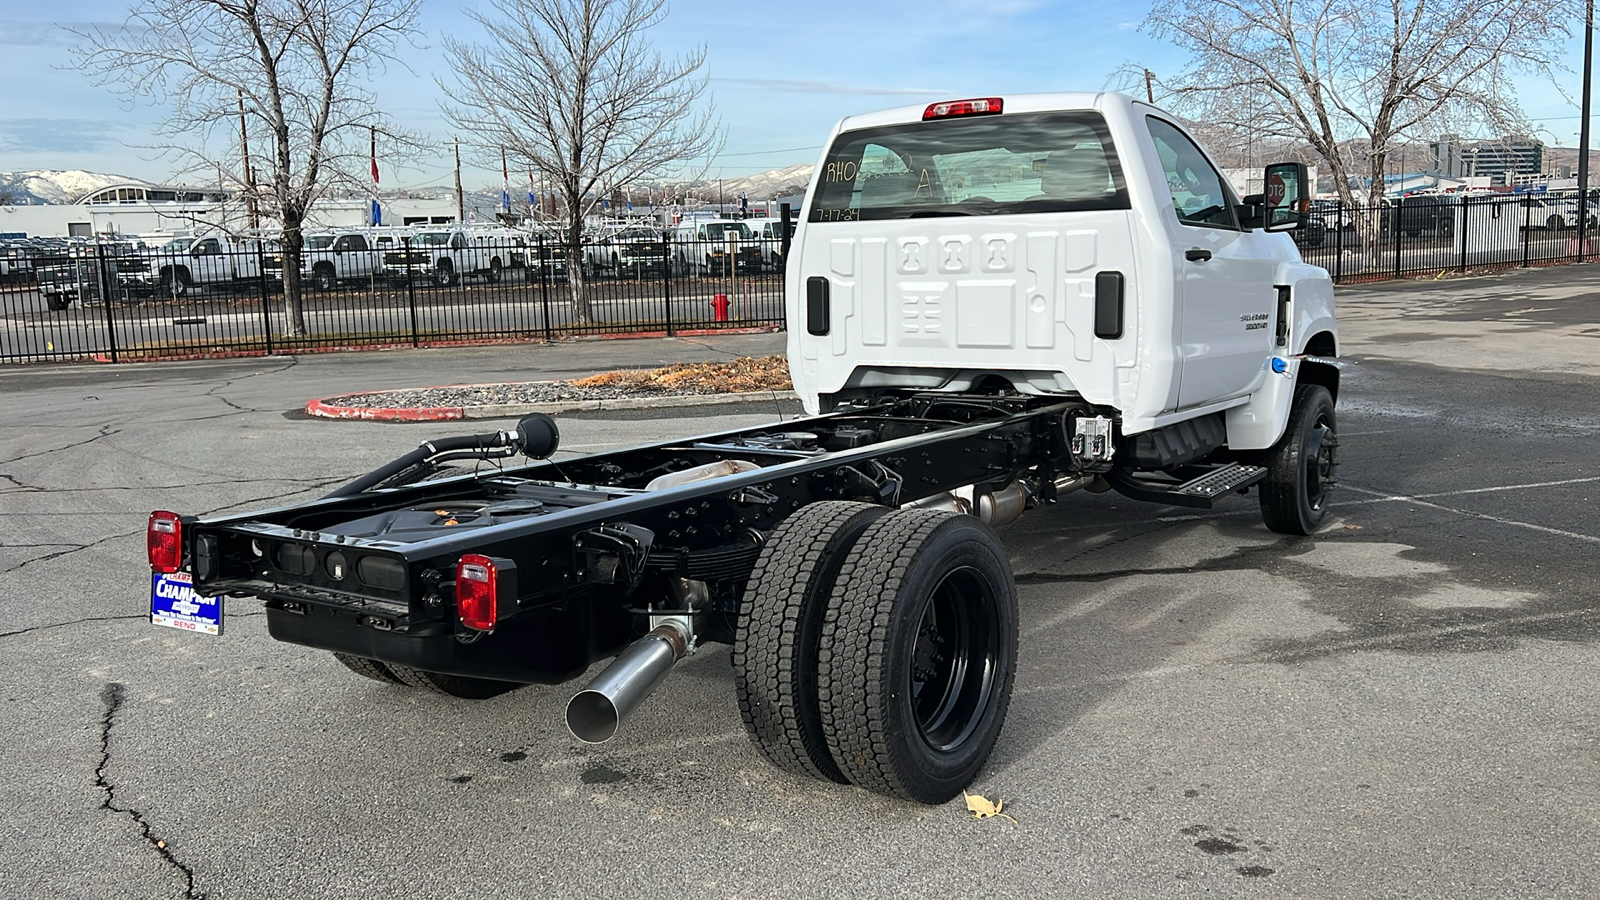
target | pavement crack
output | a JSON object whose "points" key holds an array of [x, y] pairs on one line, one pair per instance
{"points": [[289, 363], [112, 696], [33, 628], [71, 549], [21, 487], [105, 432]]}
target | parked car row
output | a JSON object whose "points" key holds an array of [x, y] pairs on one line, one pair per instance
{"points": [[70, 270]]}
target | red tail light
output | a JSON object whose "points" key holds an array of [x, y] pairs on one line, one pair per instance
{"points": [[984, 106], [164, 538], [476, 586]]}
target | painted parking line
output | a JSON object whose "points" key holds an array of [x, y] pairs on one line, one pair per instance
{"points": [[1385, 497]]}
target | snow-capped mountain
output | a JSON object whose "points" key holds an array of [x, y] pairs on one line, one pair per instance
{"points": [[54, 186]]}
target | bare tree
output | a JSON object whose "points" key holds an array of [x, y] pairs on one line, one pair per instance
{"points": [[573, 89], [9, 194], [296, 68], [1352, 78]]}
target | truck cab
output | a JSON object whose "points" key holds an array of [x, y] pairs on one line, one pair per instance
{"points": [[1075, 244]]}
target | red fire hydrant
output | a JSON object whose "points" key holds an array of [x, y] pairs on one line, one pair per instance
{"points": [[719, 307]]}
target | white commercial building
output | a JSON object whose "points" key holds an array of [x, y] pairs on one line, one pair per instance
{"points": [[133, 209]]}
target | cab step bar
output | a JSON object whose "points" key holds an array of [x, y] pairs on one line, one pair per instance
{"points": [[1197, 493]]}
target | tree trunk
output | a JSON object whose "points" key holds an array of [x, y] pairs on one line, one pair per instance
{"points": [[582, 312], [293, 241]]}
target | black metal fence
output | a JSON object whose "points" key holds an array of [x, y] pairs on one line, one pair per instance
{"points": [[1427, 234], [114, 302], [219, 296]]}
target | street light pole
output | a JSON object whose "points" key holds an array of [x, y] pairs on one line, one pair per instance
{"points": [[1583, 129]]}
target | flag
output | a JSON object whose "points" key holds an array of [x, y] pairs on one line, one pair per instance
{"points": [[377, 211], [505, 184], [630, 199]]}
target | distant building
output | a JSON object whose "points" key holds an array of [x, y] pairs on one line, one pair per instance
{"points": [[1447, 158], [136, 208], [1502, 159]]}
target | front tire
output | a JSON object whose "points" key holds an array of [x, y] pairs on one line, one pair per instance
{"points": [[919, 653], [1302, 466], [775, 651], [493, 276], [444, 274]]}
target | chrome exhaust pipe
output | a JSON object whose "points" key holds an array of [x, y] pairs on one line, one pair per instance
{"points": [[595, 714]]}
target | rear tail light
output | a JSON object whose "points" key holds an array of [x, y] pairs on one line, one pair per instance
{"points": [[482, 583], [984, 106], [164, 539]]}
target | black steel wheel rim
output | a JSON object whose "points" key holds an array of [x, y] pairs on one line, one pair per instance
{"points": [[1320, 462], [954, 660]]}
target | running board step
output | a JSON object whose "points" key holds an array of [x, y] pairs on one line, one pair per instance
{"points": [[1197, 493]]}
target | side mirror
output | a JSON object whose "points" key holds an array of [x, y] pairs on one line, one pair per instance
{"points": [[1287, 195]]}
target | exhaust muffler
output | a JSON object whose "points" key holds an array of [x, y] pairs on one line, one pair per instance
{"points": [[595, 714]]}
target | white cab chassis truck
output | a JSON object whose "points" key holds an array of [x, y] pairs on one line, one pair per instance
{"points": [[992, 303]]}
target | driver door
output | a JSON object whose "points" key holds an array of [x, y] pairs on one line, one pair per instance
{"points": [[1225, 286]]}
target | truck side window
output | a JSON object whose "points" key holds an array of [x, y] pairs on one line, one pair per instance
{"points": [[208, 247], [1199, 193]]}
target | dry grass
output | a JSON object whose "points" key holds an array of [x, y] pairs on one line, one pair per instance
{"points": [[738, 376]]}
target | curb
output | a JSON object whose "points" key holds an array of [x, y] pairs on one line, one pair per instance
{"points": [[328, 407]]}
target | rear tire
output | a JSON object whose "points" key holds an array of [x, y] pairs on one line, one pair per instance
{"points": [[322, 278], [1302, 465], [57, 302], [775, 651], [174, 283], [367, 668], [494, 270], [462, 686], [919, 653]]}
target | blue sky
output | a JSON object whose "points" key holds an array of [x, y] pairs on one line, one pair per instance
{"points": [[781, 74]]}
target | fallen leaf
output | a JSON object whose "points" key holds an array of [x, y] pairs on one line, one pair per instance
{"points": [[982, 808]]}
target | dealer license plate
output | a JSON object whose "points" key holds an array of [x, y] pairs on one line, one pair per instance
{"points": [[174, 603]]}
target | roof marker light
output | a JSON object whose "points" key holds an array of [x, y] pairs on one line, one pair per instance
{"points": [[983, 106]]}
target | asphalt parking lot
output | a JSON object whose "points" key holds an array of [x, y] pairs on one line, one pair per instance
{"points": [[1403, 705]]}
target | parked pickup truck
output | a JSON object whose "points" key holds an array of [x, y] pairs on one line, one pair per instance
{"points": [[632, 252], [184, 264], [335, 257], [992, 303], [446, 255]]}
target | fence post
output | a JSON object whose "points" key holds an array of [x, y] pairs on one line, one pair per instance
{"points": [[1338, 259], [544, 288], [411, 290], [1527, 224], [111, 322], [1466, 226], [1399, 216], [261, 276], [666, 276]]}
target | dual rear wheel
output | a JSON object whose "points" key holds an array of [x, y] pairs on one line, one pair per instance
{"points": [[879, 648]]}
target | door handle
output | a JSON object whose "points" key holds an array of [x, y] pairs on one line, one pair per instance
{"points": [[1197, 255]]}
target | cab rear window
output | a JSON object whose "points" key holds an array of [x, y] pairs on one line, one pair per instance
{"points": [[988, 165]]}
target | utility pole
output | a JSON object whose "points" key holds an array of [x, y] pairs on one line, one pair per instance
{"points": [[461, 200], [251, 212], [1583, 129], [1149, 86]]}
